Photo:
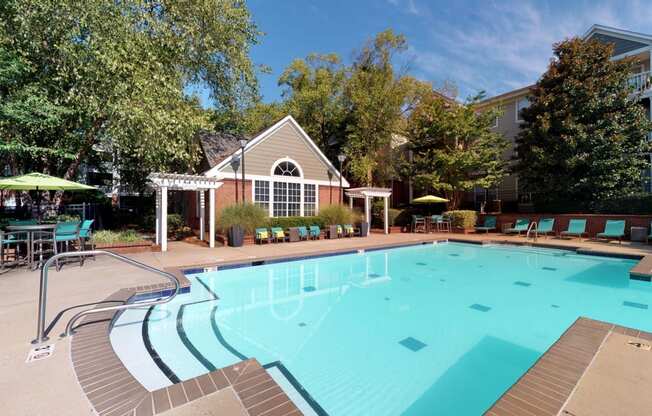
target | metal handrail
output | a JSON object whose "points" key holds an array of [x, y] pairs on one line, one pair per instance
{"points": [[535, 227], [40, 330]]}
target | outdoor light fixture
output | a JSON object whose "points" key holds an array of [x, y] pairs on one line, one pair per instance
{"points": [[243, 143], [235, 164], [341, 157]]}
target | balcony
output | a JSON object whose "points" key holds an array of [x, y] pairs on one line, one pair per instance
{"points": [[641, 82]]}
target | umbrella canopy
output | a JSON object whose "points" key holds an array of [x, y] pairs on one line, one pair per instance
{"points": [[429, 199], [41, 182]]}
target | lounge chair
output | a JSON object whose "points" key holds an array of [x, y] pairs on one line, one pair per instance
{"points": [[303, 233], [278, 234], [64, 234], [261, 234], [86, 233], [348, 230], [576, 227], [489, 224], [315, 232], [546, 226], [613, 229], [521, 226], [649, 236]]}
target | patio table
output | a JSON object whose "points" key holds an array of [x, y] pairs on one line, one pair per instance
{"points": [[31, 230]]}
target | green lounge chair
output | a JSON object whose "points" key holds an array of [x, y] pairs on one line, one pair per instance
{"points": [[261, 234], [489, 224], [576, 227], [546, 226], [315, 232], [613, 229], [348, 230], [303, 233], [521, 226], [278, 234]]}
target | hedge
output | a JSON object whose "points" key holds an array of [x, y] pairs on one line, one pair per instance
{"points": [[462, 218], [287, 222]]}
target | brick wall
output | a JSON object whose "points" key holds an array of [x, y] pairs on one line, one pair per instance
{"points": [[595, 222], [325, 195]]}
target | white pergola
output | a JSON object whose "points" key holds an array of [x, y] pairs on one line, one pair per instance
{"points": [[163, 182], [367, 194]]}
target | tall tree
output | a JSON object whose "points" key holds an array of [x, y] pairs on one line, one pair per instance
{"points": [[454, 148], [112, 75], [584, 136]]}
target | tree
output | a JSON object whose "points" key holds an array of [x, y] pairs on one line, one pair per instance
{"points": [[454, 148], [112, 75], [584, 135]]}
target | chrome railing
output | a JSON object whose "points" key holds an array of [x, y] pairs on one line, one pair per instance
{"points": [[533, 227], [42, 301], [640, 82]]}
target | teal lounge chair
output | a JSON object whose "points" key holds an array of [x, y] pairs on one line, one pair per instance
{"points": [[489, 224], [649, 236], [64, 234], [576, 227], [348, 230], [521, 226], [303, 233], [546, 226], [315, 232], [613, 229], [278, 234], [86, 233], [260, 235]]}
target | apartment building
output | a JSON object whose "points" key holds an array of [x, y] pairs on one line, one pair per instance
{"points": [[626, 44]]}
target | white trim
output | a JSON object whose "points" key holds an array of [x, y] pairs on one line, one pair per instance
{"points": [[215, 170], [516, 110], [285, 159], [222, 175], [631, 53]]}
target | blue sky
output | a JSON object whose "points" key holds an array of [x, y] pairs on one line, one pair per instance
{"points": [[494, 46]]}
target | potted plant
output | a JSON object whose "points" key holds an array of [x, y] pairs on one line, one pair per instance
{"points": [[236, 235], [240, 220]]}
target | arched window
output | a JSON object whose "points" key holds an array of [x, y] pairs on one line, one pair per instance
{"points": [[286, 169]]}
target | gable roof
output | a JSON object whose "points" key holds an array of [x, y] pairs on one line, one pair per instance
{"points": [[624, 41], [214, 170], [218, 146]]}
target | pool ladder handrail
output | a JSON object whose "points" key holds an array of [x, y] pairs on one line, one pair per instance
{"points": [[533, 227], [40, 331]]}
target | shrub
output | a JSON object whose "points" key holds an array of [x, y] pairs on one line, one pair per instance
{"points": [[338, 214], [248, 216], [638, 204], [287, 222], [67, 218], [113, 237], [462, 218]]}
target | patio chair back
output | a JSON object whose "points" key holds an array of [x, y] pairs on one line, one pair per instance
{"points": [[303, 231], [546, 225], [314, 231], [261, 233], [522, 224], [277, 232], [85, 229], [348, 229], [67, 231], [489, 221], [576, 226], [22, 222], [614, 227]]}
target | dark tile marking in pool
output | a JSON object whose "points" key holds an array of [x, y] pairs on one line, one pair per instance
{"points": [[221, 339], [309, 288], [373, 275], [558, 370], [554, 306], [635, 305], [524, 284], [454, 255], [152, 352], [302, 324], [298, 387], [479, 307], [420, 263], [550, 269], [412, 344], [386, 298], [442, 280]]}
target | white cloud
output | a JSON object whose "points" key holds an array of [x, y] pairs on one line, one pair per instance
{"points": [[499, 46], [407, 6]]}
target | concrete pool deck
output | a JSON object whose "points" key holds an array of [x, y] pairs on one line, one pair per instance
{"points": [[50, 386]]}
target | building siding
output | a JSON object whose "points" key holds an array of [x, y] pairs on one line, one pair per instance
{"points": [[285, 142], [620, 45]]}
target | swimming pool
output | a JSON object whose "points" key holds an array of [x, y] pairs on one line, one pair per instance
{"points": [[419, 330]]}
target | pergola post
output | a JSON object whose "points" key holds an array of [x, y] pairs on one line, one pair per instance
{"points": [[158, 216], [211, 217], [386, 214], [367, 217], [202, 215], [164, 218], [350, 202]]}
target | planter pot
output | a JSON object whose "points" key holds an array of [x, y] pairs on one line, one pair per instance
{"points": [[236, 236], [364, 229], [460, 230], [395, 229]]}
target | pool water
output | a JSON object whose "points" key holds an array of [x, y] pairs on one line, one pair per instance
{"points": [[430, 329]]}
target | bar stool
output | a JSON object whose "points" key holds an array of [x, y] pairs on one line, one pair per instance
{"points": [[11, 243]]}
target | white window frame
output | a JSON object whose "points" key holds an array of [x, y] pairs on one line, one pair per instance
{"points": [[518, 119]]}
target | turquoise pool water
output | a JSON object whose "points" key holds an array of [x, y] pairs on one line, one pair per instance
{"points": [[431, 329]]}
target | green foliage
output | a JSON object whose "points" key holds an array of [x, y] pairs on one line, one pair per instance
{"points": [[67, 218], [287, 222], [177, 227], [338, 214], [635, 204], [462, 218], [583, 139], [82, 80], [114, 237], [248, 216], [454, 148]]}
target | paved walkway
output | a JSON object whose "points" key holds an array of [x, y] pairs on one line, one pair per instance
{"points": [[49, 387]]}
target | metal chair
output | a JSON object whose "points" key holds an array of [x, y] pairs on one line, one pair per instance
{"points": [[43, 245], [11, 244], [64, 233], [86, 234], [418, 222]]}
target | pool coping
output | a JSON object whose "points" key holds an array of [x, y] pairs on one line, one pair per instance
{"points": [[546, 387], [112, 390]]}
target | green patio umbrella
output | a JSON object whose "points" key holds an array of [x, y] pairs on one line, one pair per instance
{"points": [[429, 199], [41, 182]]}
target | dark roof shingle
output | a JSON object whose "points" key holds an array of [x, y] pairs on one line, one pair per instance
{"points": [[218, 146]]}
